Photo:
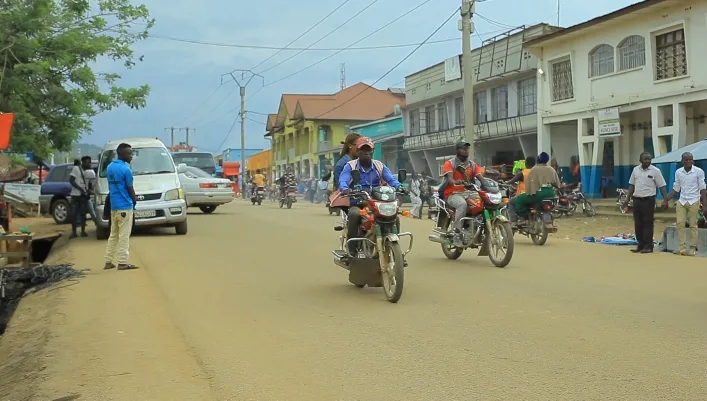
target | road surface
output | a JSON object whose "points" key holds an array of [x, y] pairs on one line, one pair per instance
{"points": [[249, 306]]}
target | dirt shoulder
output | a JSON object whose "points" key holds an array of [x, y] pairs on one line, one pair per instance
{"points": [[106, 337]]}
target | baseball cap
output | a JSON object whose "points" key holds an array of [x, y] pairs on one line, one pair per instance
{"points": [[364, 141], [462, 143]]}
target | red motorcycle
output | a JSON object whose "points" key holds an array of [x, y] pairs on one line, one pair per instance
{"points": [[484, 226], [289, 198]]}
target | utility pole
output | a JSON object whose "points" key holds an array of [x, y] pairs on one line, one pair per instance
{"points": [[171, 134], [467, 12], [246, 76]]}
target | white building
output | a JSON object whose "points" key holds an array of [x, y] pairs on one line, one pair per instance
{"points": [[504, 76], [643, 63]]}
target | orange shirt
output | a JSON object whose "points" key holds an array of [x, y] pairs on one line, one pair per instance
{"points": [[521, 184], [470, 172]]}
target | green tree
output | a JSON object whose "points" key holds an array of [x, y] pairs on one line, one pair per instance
{"points": [[48, 53]]}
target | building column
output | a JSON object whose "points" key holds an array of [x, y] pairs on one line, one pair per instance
{"points": [[544, 136], [679, 125], [417, 159], [590, 149]]}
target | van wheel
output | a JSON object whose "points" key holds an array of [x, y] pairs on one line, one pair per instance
{"points": [[102, 233], [181, 228], [61, 211], [207, 209]]}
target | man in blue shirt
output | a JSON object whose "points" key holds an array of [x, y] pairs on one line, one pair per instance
{"points": [[122, 202], [373, 174]]}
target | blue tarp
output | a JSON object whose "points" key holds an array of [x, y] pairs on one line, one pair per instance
{"points": [[698, 150]]}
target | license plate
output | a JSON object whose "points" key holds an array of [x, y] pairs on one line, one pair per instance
{"points": [[145, 214], [261, 192], [222, 185]]}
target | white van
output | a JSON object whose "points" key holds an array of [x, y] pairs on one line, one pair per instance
{"points": [[160, 198]]}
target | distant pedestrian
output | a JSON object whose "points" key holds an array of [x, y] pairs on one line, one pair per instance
{"points": [[415, 197], [79, 198], [690, 183], [645, 180], [90, 177], [122, 203]]}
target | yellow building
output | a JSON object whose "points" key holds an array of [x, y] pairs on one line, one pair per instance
{"points": [[308, 129]]}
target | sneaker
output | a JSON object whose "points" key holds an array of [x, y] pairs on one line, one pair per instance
{"points": [[690, 252], [680, 251]]}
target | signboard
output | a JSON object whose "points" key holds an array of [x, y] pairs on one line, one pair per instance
{"points": [[452, 69], [609, 123], [28, 192]]}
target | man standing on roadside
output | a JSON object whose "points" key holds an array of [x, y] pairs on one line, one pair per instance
{"points": [[645, 180], [122, 202], [79, 198], [690, 183]]}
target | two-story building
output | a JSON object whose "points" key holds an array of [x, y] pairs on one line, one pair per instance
{"points": [[308, 129], [621, 84], [388, 136], [504, 77]]}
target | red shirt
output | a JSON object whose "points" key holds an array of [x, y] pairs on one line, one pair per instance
{"points": [[458, 176]]}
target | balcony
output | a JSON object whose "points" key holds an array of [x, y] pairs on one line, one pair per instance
{"points": [[497, 129]]}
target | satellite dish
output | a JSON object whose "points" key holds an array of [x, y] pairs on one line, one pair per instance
{"points": [[396, 110]]}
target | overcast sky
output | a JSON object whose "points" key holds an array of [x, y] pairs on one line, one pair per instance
{"points": [[183, 75]]}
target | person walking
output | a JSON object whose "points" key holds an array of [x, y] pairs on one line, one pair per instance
{"points": [[122, 203], [645, 180], [690, 183], [416, 197], [90, 177], [79, 198]]}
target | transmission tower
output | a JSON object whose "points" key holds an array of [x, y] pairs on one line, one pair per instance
{"points": [[343, 76]]}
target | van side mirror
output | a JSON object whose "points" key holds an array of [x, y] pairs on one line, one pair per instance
{"points": [[181, 168], [402, 175], [356, 177]]}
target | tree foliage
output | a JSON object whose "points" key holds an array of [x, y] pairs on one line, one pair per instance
{"points": [[48, 53]]}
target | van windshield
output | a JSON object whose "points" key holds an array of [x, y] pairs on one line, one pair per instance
{"points": [[204, 161], [145, 161]]}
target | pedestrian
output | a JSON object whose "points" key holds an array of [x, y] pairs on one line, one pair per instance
{"points": [[424, 193], [323, 185], [122, 203], [90, 177], [313, 189], [415, 197], [645, 180], [79, 198], [690, 183]]}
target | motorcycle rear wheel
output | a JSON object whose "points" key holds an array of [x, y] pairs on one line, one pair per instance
{"points": [[541, 238], [589, 210], [501, 229], [451, 252], [393, 280], [289, 203]]}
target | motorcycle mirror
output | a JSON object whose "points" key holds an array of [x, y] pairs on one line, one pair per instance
{"points": [[356, 176], [402, 175]]}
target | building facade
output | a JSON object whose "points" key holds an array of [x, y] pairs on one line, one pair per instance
{"points": [[234, 155], [504, 77], [388, 136], [621, 84], [308, 129]]}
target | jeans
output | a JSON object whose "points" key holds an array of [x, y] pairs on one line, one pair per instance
{"points": [[644, 221], [91, 211], [79, 206], [119, 240], [512, 213], [687, 213]]}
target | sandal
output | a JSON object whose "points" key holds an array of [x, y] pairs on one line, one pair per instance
{"points": [[109, 266], [127, 267]]}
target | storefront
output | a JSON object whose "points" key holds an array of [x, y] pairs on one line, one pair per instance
{"points": [[388, 136]]}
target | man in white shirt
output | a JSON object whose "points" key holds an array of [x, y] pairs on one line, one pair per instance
{"points": [[690, 183], [645, 180], [79, 196]]}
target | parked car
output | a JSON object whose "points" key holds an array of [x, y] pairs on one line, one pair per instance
{"points": [[204, 191], [160, 198], [201, 160], [55, 193]]}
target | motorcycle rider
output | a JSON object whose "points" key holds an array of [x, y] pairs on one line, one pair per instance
{"points": [[452, 189], [541, 184], [373, 174], [258, 180], [521, 178], [287, 180]]}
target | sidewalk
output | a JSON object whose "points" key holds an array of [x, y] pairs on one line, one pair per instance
{"points": [[107, 337]]}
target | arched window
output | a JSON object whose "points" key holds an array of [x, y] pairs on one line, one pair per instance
{"points": [[601, 61], [632, 53]]}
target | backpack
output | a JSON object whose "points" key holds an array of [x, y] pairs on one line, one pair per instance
{"points": [[376, 164], [446, 182]]}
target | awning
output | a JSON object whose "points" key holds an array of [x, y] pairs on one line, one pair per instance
{"points": [[384, 138]]}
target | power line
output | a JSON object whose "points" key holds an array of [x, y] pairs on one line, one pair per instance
{"points": [[202, 104], [355, 43], [235, 120], [490, 21], [323, 37], [300, 36], [217, 106], [394, 67]]}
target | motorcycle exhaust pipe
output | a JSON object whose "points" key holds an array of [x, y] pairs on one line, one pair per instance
{"points": [[436, 237]]}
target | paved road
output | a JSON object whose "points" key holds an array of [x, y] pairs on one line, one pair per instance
{"points": [[261, 307]]}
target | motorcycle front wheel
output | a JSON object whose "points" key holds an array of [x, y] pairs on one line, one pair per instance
{"points": [[393, 277], [589, 209], [500, 241], [289, 203]]}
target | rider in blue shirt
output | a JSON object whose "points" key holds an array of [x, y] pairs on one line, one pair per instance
{"points": [[373, 174]]}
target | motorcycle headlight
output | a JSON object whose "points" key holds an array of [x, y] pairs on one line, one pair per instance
{"points": [[387, 209], [174, 194], [495, 198]]}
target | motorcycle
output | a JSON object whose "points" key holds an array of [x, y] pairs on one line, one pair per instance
{"points": [[257, 196], [566, 203], [540, 222], [379, 260], [484, 226], [621, 200], [289, 198]]}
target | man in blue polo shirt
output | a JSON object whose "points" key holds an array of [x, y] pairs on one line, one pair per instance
{"points": [[122, 203]]}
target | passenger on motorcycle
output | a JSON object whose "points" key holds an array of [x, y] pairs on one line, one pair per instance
{"points": [[521, 178], [348, 152], [287, 180], [373, 174], [452, 189], [542, 180], [258, 180]]}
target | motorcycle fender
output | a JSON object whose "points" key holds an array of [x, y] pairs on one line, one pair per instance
{"points": [[500, 219], [392, 238]]}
